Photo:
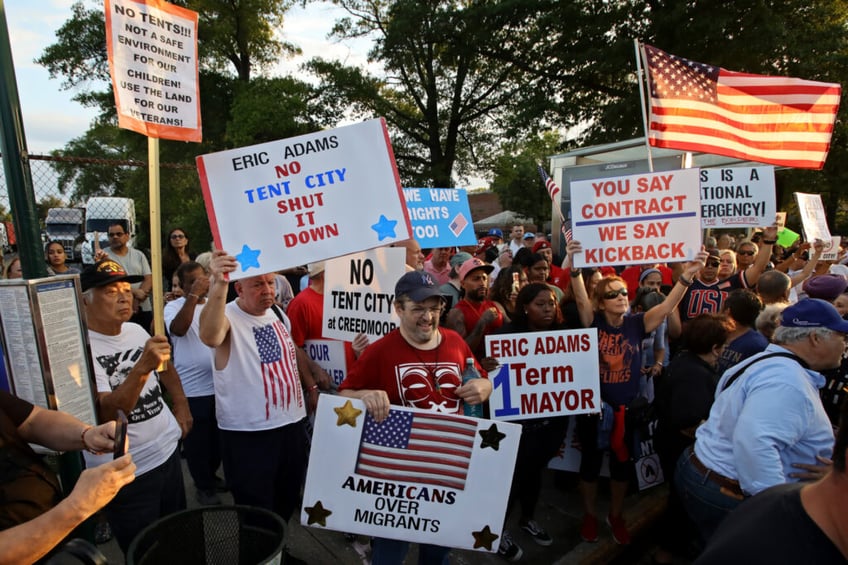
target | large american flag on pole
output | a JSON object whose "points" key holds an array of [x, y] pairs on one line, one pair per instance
{"points": [[769, 119], [553, 190], [417, 447]]}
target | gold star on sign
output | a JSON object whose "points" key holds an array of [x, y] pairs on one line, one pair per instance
{"points": [[484, 538], [317, 514], [347, 414]]}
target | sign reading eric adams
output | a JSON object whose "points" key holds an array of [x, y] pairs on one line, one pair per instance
{"points": [[740, 197], [418, 476], [295, 201]]}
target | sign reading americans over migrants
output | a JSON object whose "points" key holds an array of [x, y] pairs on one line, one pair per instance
{"points": [[544, 374], [740, 197], [295, 201], [419, 476], [647, 218], [152, 50]]}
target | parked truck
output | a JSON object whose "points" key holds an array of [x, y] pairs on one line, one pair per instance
{"points": [[66, 226], [102, 212]]}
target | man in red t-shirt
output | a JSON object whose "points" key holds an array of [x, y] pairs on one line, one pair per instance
{"points": [[474, 316]]}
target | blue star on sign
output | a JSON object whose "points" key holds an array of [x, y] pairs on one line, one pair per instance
{"points": [[384, 228], [248, 257]]}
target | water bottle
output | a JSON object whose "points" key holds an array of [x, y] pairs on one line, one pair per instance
{"points": [[470, 372]]}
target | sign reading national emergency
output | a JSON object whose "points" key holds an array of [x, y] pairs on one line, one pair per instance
{"points": [[397, 479], [740, 197], [152, 50], [295, 201], [645, 218], [544, 374], [440, 217]]}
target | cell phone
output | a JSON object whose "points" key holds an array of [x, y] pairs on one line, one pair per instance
{"points": [[120, 434]]}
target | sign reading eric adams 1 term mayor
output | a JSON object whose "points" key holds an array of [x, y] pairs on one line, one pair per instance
{"points": [[739, 197], [295, 201], [418, 476], [644, 218]]}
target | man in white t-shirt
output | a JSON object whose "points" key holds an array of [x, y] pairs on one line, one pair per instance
{"points": [[134, 263], [125, 360], [193, 361], [259, 401]]}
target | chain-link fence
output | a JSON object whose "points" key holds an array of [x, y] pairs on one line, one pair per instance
{"points": [[78, 197]]}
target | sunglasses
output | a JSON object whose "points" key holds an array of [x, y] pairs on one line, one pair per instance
{"points": [[714, 264], [610, 294], [744, 252]]}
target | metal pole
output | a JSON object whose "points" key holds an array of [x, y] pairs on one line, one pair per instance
{"points": [[640, 74]]}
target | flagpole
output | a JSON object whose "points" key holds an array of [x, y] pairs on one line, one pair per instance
{"points": [[640, 75]]}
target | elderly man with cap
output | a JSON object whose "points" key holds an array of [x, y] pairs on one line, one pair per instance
{"points": [[475, 316], [125, 360], [767, 418], [420, 365]]}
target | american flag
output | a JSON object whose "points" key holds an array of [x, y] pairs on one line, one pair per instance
{"points": [[552, 187], [418, 447], [566, 230], [458, 224], [770, 119], [279, 373]]}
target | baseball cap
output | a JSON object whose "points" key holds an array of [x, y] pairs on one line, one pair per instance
{"points": [[417, 285], [495, 232], [105, 271], [541, 245], [315, 269], [483, 245], [813, 313], [827, 286], [472, 265], [529, 235], [714, 253], [459, 258]]}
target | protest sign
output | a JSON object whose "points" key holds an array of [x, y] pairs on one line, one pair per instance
{"points": [[359, 292], [440, 217], [328, 354], [780, 220], [544, 374], [152, 51], [831, 249], [786, 237], [394, 479], [813, 216], [737, 197], [291, 202], [634, 219]]}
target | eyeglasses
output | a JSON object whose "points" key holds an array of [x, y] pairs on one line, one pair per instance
{"points": [[744, 252], [610, 294], [713, 264], [419, 311], [116, 233], [177, 236]]}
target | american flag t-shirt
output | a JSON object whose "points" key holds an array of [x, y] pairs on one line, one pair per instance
{"points": [[279, 373], [418, 447], [769, 119]]}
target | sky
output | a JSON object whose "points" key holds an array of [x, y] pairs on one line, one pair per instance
{"points": [[51, 118]]}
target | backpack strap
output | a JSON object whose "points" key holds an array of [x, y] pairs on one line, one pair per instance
{"points": [[739, 372]]}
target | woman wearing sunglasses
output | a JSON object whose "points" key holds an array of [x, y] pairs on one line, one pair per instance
{"points": [[620, 336]]}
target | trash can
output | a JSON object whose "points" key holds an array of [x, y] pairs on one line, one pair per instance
{"points": [[228, 535]]}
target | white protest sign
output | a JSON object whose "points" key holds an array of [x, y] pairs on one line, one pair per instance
{"points": [[634, 219], [440, 217], [544, 374], [295, 201], [153, 63], [359, 291], [387, 480], [831, 249], [328, 354], [813, 216], [738, 197]]}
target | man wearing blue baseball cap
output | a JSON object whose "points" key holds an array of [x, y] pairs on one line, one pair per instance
{"points": [[767, 420], [497, 235]]}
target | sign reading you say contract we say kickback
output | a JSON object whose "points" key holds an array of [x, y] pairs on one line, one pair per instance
{"points": [[645, 218], [308, 198]]}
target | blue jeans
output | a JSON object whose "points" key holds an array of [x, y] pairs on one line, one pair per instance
{"points": [[386, 551], [202, 445], [153, 495], [703, 499]]}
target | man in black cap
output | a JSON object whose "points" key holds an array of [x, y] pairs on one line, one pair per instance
{"points": [[418, 364], [125, 369]]}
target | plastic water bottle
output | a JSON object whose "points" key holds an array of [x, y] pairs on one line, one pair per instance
{"points": [[470, 372]]}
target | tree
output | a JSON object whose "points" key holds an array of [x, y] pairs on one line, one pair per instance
{"points": [[444, 103]]}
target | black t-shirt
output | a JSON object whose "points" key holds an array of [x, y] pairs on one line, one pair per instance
{"points": [[771, 527]]}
